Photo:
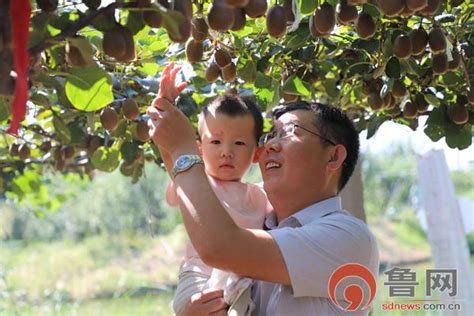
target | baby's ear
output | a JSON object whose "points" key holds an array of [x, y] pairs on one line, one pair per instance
{"points": [[198, 142], [257, 154]]}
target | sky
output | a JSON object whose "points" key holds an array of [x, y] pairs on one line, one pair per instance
{"points": [[390, 134]]}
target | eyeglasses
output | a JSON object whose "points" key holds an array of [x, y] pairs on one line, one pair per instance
{"points": [[285, 131]]}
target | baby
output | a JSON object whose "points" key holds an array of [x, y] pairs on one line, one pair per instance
{"points": [[229, 129]]}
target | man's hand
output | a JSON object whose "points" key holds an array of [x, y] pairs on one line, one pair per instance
{"points": [[168, 88], [170, 129], [208, 302]]}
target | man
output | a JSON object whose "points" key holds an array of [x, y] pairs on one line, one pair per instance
{"points": [[306, 160]]}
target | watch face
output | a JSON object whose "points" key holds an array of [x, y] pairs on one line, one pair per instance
{"points": [[183, 162]]}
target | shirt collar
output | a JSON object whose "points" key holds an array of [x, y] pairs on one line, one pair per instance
{"points": [[306, 215]]}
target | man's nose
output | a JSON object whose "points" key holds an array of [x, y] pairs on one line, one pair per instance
{"points": [[272, 145]]}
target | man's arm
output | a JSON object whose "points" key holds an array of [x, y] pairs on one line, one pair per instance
{"points": [[218, 240]]}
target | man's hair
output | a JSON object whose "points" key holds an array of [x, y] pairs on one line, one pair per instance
{"points": [[234, 106], [334, 125]]}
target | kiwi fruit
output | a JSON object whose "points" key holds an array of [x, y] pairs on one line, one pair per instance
{"points": [[402, 46], [93, 143], [365, 26], [130, 109], [416, 5], [398, 89], [375, 101], [14, 149], [220, 17], [388, 101], [312, 29], [229, 72], [407, 12], [325, 18], [92, 4], [109, 119], [47, 5], [60, 165], [185, 7], [153, 19], [75, 57], [437, 40], [289, 97], [290, 16], [421, 104], [419, 40], [194, 50], [391, 8], [58, 153], [346, 13], [356, 2], [222, 57], [239, 19], [256, 8], [142, 131], [113, 44], [24, 152], [236, 3], [439, 63], [199, 29], [45, 146], [367, 87], [276, 21], [184, 32], [69, 151], [212, 72], [458, 114], [118, 43], [470, 96], [431, 8], [454, 64], [410, 110]]}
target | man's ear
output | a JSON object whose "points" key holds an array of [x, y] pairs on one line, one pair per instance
{"points": [[257, 154], [337, 157]]}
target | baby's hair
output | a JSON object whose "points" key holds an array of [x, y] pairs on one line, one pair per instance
{"points": [[234, 106]]}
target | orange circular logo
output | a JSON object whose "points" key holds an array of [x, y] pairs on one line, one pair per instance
{"points": [[353, 293]]}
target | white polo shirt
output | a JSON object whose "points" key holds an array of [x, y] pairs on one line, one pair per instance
{"points": [[315, 242]]}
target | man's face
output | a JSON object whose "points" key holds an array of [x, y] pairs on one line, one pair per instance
{"points": [[228, 145], [295, 164]]}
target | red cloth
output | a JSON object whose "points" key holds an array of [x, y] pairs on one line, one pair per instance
{"points": [[20, 11]]}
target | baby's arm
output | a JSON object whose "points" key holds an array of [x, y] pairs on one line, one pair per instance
{"points": [[190, 283]]}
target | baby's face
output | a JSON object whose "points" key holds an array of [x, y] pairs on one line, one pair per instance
{"points": [[228, 145]]}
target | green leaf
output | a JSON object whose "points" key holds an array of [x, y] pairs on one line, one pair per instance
{"points": [[459, 137], [129, 151], [263, 81], [436, 123], [374, 124], [62, 130], [359, 69], [172, 20], [149, 68], [298, 38], [370, 46], [393, 68], [432, 99], [294, 85], [248, 72], [89, 89], [4, 108], [135, 21], [308, 6], [331, 88], [106, 159]]}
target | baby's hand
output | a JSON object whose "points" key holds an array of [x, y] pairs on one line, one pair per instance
{"points": [[168, 88]]}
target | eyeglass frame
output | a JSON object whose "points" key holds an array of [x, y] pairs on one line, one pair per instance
{"points": [[263, 139]]}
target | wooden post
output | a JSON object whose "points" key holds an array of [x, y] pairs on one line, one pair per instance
{"points": [[353, 194], [444, 226]]}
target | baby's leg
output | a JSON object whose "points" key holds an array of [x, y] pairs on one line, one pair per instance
{"points": [[189, 284]]}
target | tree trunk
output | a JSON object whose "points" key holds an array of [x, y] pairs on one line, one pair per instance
{"points": [[353, 194], [7, 83], [444, 224]]}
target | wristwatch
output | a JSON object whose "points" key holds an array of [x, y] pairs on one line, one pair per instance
{"points": [[185, 162]]}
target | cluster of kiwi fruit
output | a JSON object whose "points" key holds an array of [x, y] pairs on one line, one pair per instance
{"points": [[109, 118]]}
